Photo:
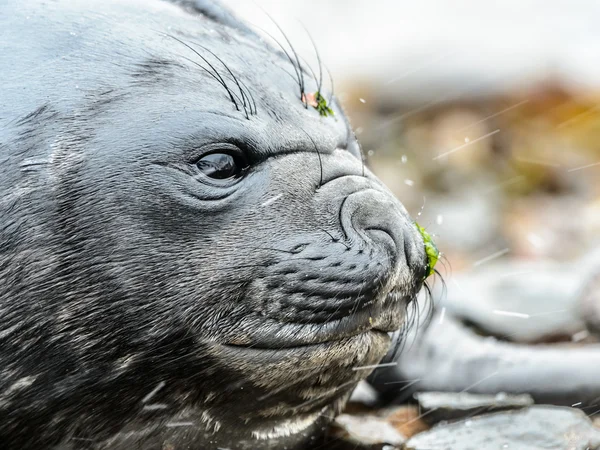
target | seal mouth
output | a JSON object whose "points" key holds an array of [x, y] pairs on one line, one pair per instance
{"points": [[381, 317], [302, 346]]}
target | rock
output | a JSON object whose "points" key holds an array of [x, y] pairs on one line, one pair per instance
{"points": [[536, 427], [364, 394], [406, 419], [589, 303], [365, 432], [518, 302], [447, 356], [438, 406]]}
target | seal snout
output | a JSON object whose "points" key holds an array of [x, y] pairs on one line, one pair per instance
{"points": [[360, 279], [376, 219]]}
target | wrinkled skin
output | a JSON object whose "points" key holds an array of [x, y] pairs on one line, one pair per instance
{"points": [[145, 305]]}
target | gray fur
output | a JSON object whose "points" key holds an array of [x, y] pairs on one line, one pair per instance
{"points": [[124, 270]]}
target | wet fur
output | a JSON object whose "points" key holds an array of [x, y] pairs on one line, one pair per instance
{"points": [[124, 276]]}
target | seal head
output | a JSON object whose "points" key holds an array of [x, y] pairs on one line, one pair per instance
{"points": [[191, 256]]}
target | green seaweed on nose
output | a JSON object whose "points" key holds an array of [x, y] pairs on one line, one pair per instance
{"points": [[317, 101], [322, 106], [432, 252]]}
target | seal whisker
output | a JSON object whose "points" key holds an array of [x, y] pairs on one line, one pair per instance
{"points": [[332, 86], [251, 97], [269, 248], [297, 78], [336, 240], [312, 72], [320, 82], [210, 65], [242, 93], [301, 74], [362, 160], [211, 74], [318, 155]]}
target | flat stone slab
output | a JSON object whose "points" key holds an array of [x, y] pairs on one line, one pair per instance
{"points": [[367, 431], [535, 427], [438, 406], [446, 356], [519, 302]]}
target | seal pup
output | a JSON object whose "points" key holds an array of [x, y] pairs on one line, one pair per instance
{"points": [[192, 252]]}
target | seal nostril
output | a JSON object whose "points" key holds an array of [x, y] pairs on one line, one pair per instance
{"points": [[385, 238], [375, 218]]}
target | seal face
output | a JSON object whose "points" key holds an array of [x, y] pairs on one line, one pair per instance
{"points": [[188, 261]]}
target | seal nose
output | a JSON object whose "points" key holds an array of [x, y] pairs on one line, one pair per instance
{"points": [[379, 219]]}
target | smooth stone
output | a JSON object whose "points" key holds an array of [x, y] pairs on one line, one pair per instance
{"points": [[366, 431], [536, 427], [519, 301], [447, 356], [438, 406], [364, 394], [589, 303]]}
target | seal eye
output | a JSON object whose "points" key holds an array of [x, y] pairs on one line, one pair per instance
{"points": [[221, 166]]}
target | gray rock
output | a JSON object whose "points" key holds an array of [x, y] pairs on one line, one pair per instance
{"points": [[438, 406], [536, 427], [519, 302], [446, 356], [589, 303], [364, 394], [367, 431]]}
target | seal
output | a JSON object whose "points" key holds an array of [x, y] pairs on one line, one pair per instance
{"points": [[192, 254]]}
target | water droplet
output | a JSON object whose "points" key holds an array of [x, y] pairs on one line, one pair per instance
{"points": [[439, 219], [404, 159], [362, 100], [371, 152], [500, 396], [467, 140], [409, 182], [358, 131], [535, 240]]}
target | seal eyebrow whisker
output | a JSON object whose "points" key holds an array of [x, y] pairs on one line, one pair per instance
{"points": [[251, 97], [242, 93], [220, 79], [299, 66], [362, 160], [331, 81], [320, 82], [312, 72], [297, 78], [318, 155], [270, 248], [211, 74]]}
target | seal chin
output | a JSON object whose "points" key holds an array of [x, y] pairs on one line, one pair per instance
{"points": [[380, 316], [309, 377]]}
